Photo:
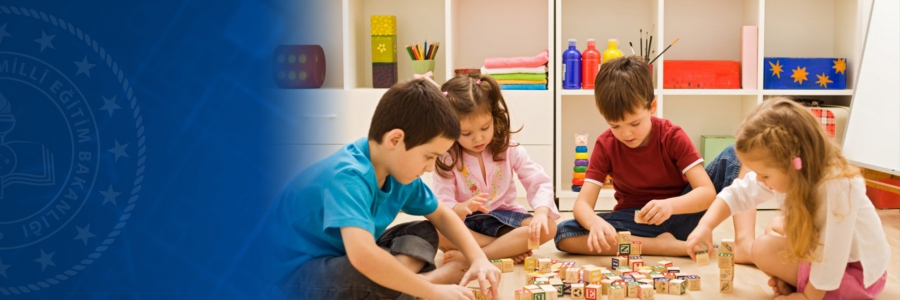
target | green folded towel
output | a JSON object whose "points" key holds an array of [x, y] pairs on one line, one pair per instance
{"points": [[520, 76]]}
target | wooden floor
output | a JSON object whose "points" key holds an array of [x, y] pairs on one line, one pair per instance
{"points": [[749, 282]]}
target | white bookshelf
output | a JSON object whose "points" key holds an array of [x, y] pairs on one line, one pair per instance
{"points": [[471, 30], [707, 30]]}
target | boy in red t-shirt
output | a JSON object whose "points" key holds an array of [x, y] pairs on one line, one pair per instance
{"points": [[656, 169]]}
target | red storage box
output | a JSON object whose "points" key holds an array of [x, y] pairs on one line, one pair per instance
{"points": [[701, 74], [883, 199]]}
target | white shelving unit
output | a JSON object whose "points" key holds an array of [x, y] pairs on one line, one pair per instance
{"points": [[471, 30], [708, 30]]}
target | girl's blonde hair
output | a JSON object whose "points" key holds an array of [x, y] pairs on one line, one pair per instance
{"points": [[778, 131], [472, 95]]}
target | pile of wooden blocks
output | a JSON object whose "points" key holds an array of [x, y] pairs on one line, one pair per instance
{"points": [[542, 280], [726, 266], [628, 277]]}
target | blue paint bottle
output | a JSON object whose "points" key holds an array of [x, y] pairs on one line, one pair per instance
{"points": [[571, 67]]}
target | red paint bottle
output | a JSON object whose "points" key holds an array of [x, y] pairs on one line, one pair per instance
{"points": [[590, 64]]}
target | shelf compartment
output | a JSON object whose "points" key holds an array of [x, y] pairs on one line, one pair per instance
{"points": [[485, 28], [416, 22]]}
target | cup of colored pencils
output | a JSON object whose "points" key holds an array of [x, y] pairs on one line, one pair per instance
{"points": [[422, 56]]}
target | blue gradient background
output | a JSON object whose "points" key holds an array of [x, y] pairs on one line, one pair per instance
{"points": [[200, 73]]}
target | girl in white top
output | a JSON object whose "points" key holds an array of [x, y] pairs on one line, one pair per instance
{"points": [[830, 243]]}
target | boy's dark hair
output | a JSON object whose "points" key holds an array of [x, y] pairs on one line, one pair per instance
{"points": [[623, 86], [471, 95], [419, 109]]}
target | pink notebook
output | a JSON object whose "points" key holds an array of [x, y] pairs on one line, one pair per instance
{"points": [[749, 48]]}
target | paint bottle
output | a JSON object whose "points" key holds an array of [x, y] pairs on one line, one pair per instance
{"points": [[571, 67], [612, 52], [590, 64]]}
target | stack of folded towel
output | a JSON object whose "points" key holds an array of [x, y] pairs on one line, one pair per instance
{"points": [[518, 73]]}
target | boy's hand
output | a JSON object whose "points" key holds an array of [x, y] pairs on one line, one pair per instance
{"points": [[602, 236], [656, 212], [538, 222], [451, 292], [469, 206], [485, 272], [699, 239]]}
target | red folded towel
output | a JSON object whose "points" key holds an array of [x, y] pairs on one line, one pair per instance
{"points": [[517, 62]]}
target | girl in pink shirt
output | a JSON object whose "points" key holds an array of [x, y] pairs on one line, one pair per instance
{"points": [[475, 177]]}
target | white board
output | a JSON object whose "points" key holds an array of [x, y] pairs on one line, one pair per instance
{"points": [[873, 131]]}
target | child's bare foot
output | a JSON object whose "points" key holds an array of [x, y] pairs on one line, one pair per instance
{"points": [[521, 257], [781, 287], [453, 255]]}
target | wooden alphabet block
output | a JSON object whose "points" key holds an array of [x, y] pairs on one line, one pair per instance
{"points": [[523, 295], [549, 292], [592, 292], [660, 269], [532, 244], [633, 290], [646, 292], [636, 248], [676, 287], [702, 258], [662, 286], [726, 286], [577, 291], [596, 275], [727, 246], [506, 265], [530, 264], [616, 293], [571, 275], [564, 270], [726, 274], [544, 265], [559, 286], [636, 262], [726, 261], [538, 294], [637, 217], [624, 237], [624, 259]]}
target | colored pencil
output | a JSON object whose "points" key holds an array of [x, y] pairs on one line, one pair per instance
{"points": [[409, 50]]}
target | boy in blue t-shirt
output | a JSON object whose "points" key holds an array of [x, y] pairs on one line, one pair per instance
{"points": [[331, 219]]}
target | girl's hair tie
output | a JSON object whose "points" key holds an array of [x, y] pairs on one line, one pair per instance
{"points": [[798, 163], [445, 93], [478, 82]]}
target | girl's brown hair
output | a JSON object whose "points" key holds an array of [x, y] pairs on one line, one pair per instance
{"points": [[472, 95], [775, 133]]}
